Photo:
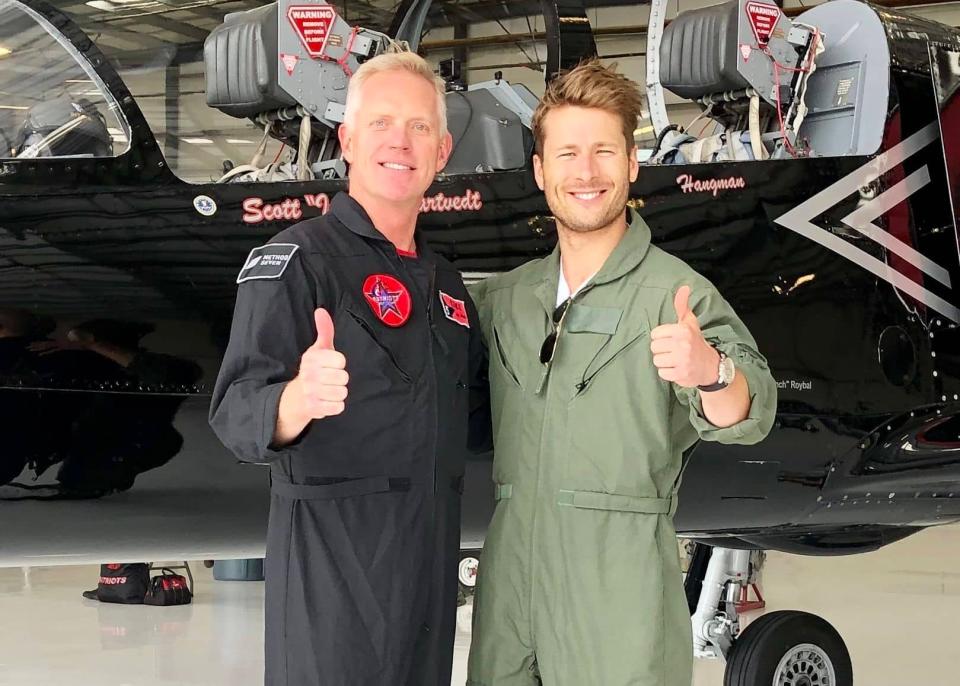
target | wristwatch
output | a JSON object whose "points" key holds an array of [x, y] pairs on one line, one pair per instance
{"points": [[724, 377]]}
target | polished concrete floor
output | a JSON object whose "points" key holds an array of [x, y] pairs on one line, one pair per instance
{"points": [[897, 608]]}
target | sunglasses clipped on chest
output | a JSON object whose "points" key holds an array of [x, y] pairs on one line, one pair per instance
{"points": [[549, 347]]}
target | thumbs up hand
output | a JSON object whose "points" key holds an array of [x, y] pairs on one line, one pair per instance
{"points": [[680, 352], [322, 380]]}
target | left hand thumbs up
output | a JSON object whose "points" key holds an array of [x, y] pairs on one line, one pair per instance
{"points": [[681, 303], [680, 353]]}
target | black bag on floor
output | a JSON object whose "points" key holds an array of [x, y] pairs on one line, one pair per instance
{"points": [[123, 583], [168, 589]]}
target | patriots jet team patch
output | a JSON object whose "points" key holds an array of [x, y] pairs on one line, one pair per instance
{"points": [[267, 262], [455, 310], [388, 298]]}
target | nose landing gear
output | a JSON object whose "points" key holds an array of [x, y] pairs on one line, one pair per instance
{"points": [[782, 648]]}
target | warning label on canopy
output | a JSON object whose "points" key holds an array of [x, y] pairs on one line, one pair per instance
{"points": [[763, 18], [313, 24]]}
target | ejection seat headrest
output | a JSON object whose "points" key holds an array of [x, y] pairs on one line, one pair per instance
{"points": [[64, 127], [698, 54]]}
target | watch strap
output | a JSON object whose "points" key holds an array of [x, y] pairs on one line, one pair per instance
{"points": [[720, 384]]}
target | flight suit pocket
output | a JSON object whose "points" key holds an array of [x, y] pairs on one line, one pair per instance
{"points": [[331, 587], [501, 360], [507, 398], [607, 338], [375, 340], [586, 319], [360, 598], [602, 361]]}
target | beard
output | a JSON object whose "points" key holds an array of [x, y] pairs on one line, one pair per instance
{"points": [[584, 222]]}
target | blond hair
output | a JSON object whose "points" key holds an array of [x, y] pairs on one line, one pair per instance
{"points": [[396, 58], [590, 84]]}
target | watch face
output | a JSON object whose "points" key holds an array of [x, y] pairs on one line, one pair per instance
{"points": [[726, 370]]}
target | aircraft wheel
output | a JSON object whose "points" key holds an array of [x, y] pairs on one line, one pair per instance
{"points": [[789, 648]]}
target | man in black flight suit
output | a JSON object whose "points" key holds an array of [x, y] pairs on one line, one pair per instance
{"points": [[363, 538]]}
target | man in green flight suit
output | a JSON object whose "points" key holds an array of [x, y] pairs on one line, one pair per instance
{"points": [[608, 359]]}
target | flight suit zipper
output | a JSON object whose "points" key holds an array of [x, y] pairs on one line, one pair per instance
{"points": [[546, 371], [389, 353], [433, 325], [435, 334], [446, 351], [542, 388], [429, 369]]}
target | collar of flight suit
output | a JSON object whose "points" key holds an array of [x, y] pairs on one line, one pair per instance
{"points": [[626, 257], [351, 214]]}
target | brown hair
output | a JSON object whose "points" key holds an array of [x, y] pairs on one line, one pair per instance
{"points": [[590, 84]]}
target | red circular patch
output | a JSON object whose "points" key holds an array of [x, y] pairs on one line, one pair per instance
{"points": [[388, 298]]}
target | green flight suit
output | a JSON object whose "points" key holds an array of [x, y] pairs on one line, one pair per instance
{"points": [[580, 581]]}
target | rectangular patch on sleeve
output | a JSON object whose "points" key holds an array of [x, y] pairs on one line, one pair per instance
{"points": [[267, 262]]}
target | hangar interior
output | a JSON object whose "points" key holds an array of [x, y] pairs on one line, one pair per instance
{"points": [[157, 49], [894, 606]]}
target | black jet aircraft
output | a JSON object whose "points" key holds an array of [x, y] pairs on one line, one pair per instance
{"points": [[821, 199]]}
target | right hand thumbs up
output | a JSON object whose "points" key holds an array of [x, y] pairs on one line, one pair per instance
{"points": [[324, 329], [323, 377]]}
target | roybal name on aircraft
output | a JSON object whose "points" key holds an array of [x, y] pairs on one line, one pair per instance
{"points": [[794, 385], [689, 184]]}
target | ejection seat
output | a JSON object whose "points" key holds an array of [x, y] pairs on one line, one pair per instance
{"points": [[847, 95], [800, 90], [490, 126], [63, 127], [300, 99], [701, 59]]}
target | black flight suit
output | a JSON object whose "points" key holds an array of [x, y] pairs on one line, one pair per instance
{"points": [[363, 537]]}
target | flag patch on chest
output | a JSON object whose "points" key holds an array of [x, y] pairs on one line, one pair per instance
{"points": [[455, 310], [267, 262]]}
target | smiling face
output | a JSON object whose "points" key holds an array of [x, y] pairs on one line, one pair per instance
{"points": [[393, 140], [585, 169]]}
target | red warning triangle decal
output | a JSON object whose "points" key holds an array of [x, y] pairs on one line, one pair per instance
{"points": [[312, 24], [763, 19], [289, 62]]}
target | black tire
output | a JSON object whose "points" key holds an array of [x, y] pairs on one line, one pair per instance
{"points": [[758, 651]]}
